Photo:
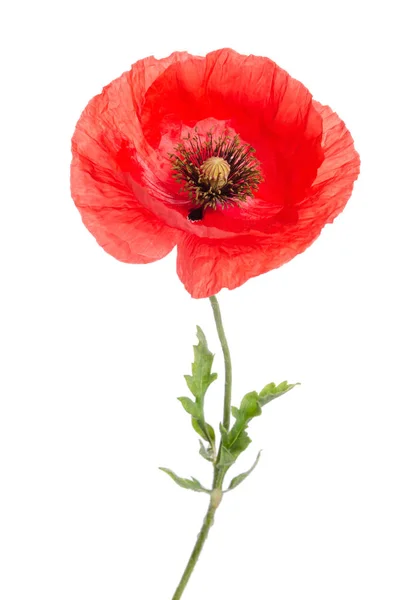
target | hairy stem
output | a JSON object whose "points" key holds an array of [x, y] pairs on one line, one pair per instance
{"points": [[202, 536]]}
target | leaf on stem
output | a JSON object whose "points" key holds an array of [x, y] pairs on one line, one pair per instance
{"points": [[187, 484], [198, 383], [240, 478], [206, 431], [190, 406], [271, 391], [237, 440], [226, 458], [206, 453], [202, 377]]}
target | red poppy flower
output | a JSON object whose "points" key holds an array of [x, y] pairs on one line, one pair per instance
{"points": [[225, 156]]}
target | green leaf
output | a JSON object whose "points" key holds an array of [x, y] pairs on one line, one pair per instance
{"points": [[250, 406], [271, 391], [235, 411], [191, 407], [235, 443], [240, 478], [190, 384], [202, 377], [224, 432], [226, 458], [206, 453], [187, 484], [198, 383], [208, 429], [240, 444]]}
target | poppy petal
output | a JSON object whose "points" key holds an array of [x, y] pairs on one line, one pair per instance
{"points": [[205, 266], [333, 185], [112, 212], [121, 216]]}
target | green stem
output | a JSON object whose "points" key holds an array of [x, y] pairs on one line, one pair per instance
{"points": [[228, 362], [202, 536], [219, 472]]}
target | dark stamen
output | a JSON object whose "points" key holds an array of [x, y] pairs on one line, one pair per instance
{"points": [[242, 180]]}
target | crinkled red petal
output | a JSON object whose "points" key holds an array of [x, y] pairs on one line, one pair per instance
{"points": [[337, 173], [117, 217], [107, 139]]}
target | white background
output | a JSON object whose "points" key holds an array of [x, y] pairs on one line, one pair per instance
{"points": [[95, 350]]}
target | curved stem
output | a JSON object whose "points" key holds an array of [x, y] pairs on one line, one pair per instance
{"points": [[228, 363], [202, 536]]}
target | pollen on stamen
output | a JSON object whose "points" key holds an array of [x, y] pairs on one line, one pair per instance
{"points": [[215, 173]]}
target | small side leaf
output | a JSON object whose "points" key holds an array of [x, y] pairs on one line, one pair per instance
{"points": [[271, 391], [190, 406], [240, 478], [187, 484], [198, 429], [206, 453]]}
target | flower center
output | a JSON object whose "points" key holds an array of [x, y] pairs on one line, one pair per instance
{"points": [[215, 172]]}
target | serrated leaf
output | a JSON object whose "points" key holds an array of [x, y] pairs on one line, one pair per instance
{"points": [[249, 408], [202, 377], [191, 407], [206, 453], [210, 430], [237, 440], [187, 484], [240, 478], [272, 391]]}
